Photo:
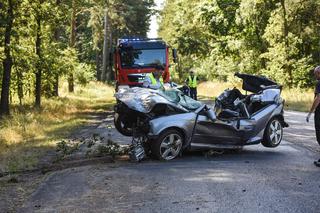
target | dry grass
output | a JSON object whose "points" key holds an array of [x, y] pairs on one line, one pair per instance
{"points": [[298, 99], [214, 89], [295, 99], [28, 133]]}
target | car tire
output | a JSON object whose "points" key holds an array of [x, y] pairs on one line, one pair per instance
{"points": [[120, 126], [273, 133], [168, 145]]}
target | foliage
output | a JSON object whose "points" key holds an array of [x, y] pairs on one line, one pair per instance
{"points": [[83, 74], [66, 148], [48, 22], [276, 38]]}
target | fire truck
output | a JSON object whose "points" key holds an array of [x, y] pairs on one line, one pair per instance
{"points": [[135, 57]]}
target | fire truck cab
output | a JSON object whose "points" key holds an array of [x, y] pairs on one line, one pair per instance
{"points": [[135, 57]]}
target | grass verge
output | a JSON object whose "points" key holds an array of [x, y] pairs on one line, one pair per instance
{"points": [[28, 133], [295, 99]]}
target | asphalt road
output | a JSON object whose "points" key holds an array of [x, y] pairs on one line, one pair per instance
{"points": [[257, 179]]}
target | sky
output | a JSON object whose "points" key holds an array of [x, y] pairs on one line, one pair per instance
{"points": [[153, 22]]}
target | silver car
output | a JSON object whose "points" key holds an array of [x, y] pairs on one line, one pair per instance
{"points": [[164, 123]]}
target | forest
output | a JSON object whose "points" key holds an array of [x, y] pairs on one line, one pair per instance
{"points": [[44, 41], [275, 38]]}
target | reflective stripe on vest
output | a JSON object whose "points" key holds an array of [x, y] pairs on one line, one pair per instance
{"points": [[154, 80], [192, 82]]}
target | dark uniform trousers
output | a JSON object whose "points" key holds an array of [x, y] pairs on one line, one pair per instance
{"points": [[193, 93], [317, 123]]}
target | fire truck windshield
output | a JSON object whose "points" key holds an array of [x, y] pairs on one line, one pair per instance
{"points": [[131, 58]]}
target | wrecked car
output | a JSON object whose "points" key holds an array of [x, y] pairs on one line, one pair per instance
{"points": [[165, 123]]}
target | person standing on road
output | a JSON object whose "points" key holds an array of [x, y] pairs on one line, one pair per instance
{"points": [[192, 83], [316, 108], [154, 80]]}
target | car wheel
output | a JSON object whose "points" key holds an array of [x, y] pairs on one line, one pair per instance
{"points": [[122, 126], [273, 133], [168, 145]]}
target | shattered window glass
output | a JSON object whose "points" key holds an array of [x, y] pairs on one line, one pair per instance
{"points": [[171, 95], [178, 97], [189, 103]]}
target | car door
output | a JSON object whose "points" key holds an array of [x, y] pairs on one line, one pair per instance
{"points": [[263, 116], [208, 132]]}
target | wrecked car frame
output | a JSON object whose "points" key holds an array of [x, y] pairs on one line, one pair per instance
{"points": [[165, 123]]}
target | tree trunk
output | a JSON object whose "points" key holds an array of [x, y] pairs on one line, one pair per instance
{"points": [[72, 42], [98, 65], [286, 42], [56, 38], [105, 48], [20, 86], [110, 76], [7, 63], [56, 86], [39, 64]]}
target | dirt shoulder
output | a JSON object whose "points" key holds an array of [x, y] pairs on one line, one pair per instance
{"points": [[15, 188]]}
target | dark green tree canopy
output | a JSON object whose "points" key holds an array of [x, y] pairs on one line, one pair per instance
{"points": [[41, 36], [279, 39]]}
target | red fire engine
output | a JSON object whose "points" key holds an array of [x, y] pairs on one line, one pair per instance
{"points": [[135, 57]]}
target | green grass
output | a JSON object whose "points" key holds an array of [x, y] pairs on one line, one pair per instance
{"points": [[295, 99], [28, 133]]}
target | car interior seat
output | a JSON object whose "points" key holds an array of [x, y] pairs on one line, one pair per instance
{"points": [[227, 105]]}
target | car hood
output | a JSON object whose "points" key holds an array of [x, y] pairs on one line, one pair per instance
{"points": [[143, 99], [253, 83]]}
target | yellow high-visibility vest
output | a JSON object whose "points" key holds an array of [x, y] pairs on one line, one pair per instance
{"points": [[154, 80], [192, 82]]}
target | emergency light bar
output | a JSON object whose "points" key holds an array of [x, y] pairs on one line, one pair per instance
{"points": [[124, 40]]}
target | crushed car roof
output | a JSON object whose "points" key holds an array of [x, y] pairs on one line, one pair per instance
{"points": [[143, 99]]}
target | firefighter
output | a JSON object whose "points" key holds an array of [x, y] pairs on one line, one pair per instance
{"points": [[154, 80], [192, 84]]}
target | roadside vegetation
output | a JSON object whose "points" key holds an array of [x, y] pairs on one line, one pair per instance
{"points": [[277, 39], [43, 42], [28, 133], [52, 54]]}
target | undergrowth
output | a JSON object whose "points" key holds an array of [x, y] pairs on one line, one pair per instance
{"points": [[27, 134]]}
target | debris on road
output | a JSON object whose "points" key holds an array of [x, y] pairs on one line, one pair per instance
{"points": [[94, 146]]}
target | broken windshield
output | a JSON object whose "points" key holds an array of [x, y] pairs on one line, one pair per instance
{"points": [[177, 97]]}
